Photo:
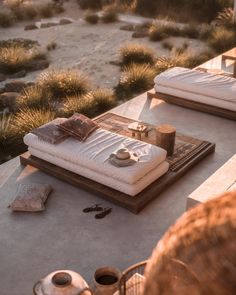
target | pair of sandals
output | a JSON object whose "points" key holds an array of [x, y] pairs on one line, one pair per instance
{"points": [[98, 208]]}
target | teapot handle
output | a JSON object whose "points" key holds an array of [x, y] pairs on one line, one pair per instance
{"points": [[36, 288]]}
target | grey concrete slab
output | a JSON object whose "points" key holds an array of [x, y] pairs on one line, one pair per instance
{"points": [[223, 180], [34, 244]]}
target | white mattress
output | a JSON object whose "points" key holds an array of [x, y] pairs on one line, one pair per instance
{"points": [[196, 97], [195, 82], [129, 189], [94, 153]]}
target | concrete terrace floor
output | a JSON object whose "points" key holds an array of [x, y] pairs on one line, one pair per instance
{"points": [[63, 237]]}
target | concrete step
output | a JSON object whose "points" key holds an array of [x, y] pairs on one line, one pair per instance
{"points": [[7, 169]]}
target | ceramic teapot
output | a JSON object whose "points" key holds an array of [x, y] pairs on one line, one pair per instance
{"points": [[62, 282]]}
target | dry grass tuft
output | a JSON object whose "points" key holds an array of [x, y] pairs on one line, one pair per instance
{"points": [[109, 14], [63, 83], [91, 17], [16, 58], [91, 104], [135, 79], [136, 53], [6, 19], [222, 39], [27, 119], [34, 97]]}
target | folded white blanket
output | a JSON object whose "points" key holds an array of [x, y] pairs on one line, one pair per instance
{"points": [[129, 189], [95, 151], [197, 82]]}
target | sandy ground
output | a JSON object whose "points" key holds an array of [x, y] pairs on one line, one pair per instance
{"points": [[85, 47]]}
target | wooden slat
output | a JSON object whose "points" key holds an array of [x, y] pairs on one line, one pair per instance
{"points": [[202, 107]]}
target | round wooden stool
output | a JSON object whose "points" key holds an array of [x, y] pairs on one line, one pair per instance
{"points": [[165, 138]]}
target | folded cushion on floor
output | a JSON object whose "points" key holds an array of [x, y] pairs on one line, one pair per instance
{"points": [[95, 151], [31, 197]]}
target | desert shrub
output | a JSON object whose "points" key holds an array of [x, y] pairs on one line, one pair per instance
{"points": [[46, 10], [91, 104], [27, 119], [199, 10], [182, 59], [136, 53], [190, 31], [16, 58], [145, 25], [222, 39], [63, 83], [90, 4], [226, 18], [34, 97], [182, 49], [158, 32], [58, 7], [165, 63], [167, 45], [19, 42], [205, 31], [127, 5], [102, 100], [190, 60], [16, 7], [6, 19], [52, 46], [91, 17], [7, 134], [197, 59], [135, 79], [30, 11], [77, 104], [109, 14], [146, 7]]}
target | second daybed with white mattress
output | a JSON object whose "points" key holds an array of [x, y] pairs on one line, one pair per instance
{"points": [[90, 159], [215, 94]]}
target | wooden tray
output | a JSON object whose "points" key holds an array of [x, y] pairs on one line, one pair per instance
{"points": [[188, 151], [198, 106]]}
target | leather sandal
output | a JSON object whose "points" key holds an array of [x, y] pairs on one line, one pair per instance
{"points": [[96, 207], [103, 213]]}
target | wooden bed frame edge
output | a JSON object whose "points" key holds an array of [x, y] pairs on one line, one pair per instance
{"points": [[198, 106]]}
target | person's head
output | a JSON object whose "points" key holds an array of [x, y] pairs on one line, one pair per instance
{"points": [[198, 254]]}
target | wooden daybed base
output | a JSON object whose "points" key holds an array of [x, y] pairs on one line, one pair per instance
{"points": [[202, 107], [188, 152]]}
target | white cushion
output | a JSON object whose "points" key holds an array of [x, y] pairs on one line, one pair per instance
{"points": [[129, 189], [95, 151], [197, 82], [228, 105]]}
